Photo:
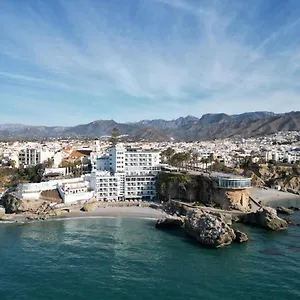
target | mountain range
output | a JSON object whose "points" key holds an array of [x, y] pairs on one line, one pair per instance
{"points": [[209, 126]]}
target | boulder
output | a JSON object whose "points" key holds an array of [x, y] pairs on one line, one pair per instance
{"points": [[155, 206], [5, 217], [89, 206], [294, 208], [284, 210], [240, 237], [2, 210], [266, 217], [11, 203], [209, 229], [169, 222]]}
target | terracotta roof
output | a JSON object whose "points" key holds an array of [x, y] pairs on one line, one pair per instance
{"points": [[76, 154], [85, 152]]}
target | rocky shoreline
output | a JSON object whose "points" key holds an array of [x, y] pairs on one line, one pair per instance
{"points": [[45, 211], [214, 229]]}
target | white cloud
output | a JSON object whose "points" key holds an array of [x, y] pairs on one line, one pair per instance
{"points": [[212, 69]]}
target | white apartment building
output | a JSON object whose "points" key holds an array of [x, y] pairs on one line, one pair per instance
{"points": [[99, 161], [106, 186], [33, 156], [126, 173], [72, 192]]}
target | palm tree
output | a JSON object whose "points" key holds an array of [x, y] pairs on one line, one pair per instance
{"points": [[195, 157], [167, 154]]}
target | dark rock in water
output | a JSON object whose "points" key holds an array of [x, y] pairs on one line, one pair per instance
{"points": [[266, 217], [292, 191], [240, 237], [272, 252], [284, 210], [294, 249], [209, 229], [289, 221], [155, 206], [169, 222], [294, 208]]}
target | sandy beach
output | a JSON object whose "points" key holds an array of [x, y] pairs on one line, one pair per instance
{"points": [[118, 211], [110, 211], [269, 196]]}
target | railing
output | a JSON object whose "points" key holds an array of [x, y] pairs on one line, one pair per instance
{"points": [[233, 183]]}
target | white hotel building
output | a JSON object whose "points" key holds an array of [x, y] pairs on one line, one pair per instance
{"points": [[126, 173], [34, 156]]}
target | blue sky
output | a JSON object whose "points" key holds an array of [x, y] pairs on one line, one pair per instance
{"points": [[66, 62]]}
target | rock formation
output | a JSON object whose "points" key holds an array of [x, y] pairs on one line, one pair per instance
{"points": [[89, 206], [284, 210], [2, 210], [170, 222], [294, 208], [209, 229], [266, 217], [201, 188], [240, 237], [176, 208], [13, 204]]}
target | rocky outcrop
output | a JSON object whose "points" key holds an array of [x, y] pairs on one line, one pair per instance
{"points": [[2, 210], [209, 229], [286, 177], [266, 217], [284, 210], [88, 207], [255, 180], [170, 222], [201, 188], [5, 217], [294, 208], [13, 204], [176, 208], [240, 237]]}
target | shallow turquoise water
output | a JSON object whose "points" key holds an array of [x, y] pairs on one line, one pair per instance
{"points": [[119, 258]]}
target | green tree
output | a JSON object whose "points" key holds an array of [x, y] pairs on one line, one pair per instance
{"points": [[49, 163], [12, 163], [194, 159], [115, 136]]}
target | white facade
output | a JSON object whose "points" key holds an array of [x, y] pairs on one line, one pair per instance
{"points": [[61, 171], [72, 192], [117, 159], [57, 158], [106, 186], [32, 191], [140, 187], [126, 173], [34, 156]]}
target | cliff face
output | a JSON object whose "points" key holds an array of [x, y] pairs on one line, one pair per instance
{"points": [[269, 175], [198, 188]]}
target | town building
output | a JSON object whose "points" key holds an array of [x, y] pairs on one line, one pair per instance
{"points": [[125, 173], [34, 156], [72, 192]]}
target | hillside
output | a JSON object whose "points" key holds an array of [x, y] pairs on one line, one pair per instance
{"points": [[209, 126]]}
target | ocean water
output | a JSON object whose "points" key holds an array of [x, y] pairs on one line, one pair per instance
{"points": [[121, 258]]}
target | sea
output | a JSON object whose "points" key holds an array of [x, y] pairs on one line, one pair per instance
{"points": [[128, 258]]}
